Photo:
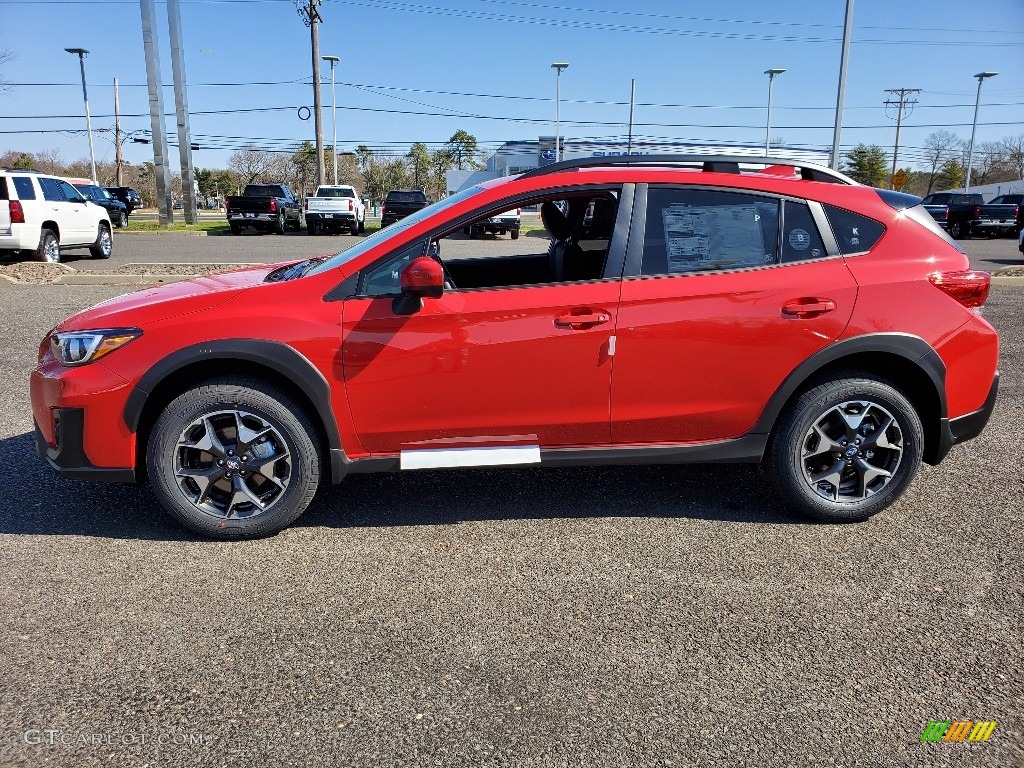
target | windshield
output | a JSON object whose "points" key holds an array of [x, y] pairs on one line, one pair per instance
{"points": [[392, 230], [405, 197]]}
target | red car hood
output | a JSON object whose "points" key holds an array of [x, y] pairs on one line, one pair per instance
{"points": [[166, 301]]}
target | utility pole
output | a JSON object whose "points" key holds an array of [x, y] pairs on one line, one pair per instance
{"points": [[311, 17], [837, 133], [117, 135], [188, 174], [901, 99], [165, 208]]}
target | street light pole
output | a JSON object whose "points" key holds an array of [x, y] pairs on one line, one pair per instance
{"points": [[88, 119], [558, 66], [970, 152], [334, 116], [768, 123]]}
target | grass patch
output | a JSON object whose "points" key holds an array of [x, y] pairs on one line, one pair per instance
{"points": [[213, 227]]}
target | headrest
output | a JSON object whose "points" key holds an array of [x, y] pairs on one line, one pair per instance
{"points": [[555, 222]]}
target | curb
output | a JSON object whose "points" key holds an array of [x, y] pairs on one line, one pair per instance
{"points": [[186, 233], [1007, 280]]}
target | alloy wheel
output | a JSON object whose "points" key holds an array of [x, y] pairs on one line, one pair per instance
{"points": [[232, 464], [852, 451]]}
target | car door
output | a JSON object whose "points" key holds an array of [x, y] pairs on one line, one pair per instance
{"points": [[724, 295], [55, 207], [82, 215], [478, 374]]}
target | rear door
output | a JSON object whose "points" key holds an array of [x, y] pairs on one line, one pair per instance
{"points": [[725, 294]]}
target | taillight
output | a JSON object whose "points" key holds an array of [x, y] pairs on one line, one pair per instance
{"points": [[227, 206], [273, 204], [350, 205], [17, 212], [519, 211], [977, 212], [307, 203], [970, 288], [945, 213], [383, 211]]}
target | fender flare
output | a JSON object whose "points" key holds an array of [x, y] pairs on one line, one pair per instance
{"points": [[278, 357], [911, 348]]}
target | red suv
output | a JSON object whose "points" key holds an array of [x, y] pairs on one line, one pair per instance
{"points": [[672, 310]]}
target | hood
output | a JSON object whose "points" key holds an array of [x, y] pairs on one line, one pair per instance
{"points": [[153, 305]]}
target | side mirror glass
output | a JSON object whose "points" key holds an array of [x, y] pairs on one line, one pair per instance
{"points": [[422, 278]]}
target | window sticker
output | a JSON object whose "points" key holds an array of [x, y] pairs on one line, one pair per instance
{"points": [[799, 239], [709, 237]]}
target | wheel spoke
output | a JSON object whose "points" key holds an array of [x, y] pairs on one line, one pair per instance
{"points": [[880, 437], [853, 420], [242, 495], [209, 442], [825, 443], [203, 478], [868, 473], [833, 476]]}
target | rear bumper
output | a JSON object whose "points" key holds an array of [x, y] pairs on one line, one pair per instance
{"points": [[19, 237], [968, 426], [68, 458], [342, 217]]}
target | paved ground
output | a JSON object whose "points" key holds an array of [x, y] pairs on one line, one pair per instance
{"points": [[571, 617], [990, 255]]}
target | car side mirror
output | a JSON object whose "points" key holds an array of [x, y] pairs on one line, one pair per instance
{"points": [[422, 278]]}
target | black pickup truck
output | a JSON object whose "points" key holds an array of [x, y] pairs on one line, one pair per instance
{"points": [[399, 203], [1004, 215], [264, 207], [954, 211]]}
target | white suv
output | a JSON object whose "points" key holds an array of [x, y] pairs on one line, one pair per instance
{"points": [[45, 214]]}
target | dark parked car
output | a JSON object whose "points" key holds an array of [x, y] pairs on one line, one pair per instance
{"points": [[954, 212], [126, 195], [400, 203], [117, 210], [265, 208]]}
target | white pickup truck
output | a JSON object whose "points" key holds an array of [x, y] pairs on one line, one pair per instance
{"points": [[335, 207]]}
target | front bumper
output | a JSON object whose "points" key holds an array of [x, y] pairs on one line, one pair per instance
{"points": [[67, 457]]}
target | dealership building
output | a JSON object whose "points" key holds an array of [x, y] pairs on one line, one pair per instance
{"points": [[515, 157]]}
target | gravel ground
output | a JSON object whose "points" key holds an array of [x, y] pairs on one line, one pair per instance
{"points": [[556, 617]]}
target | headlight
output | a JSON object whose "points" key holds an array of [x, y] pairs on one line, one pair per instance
{"points": [[81, 347]]}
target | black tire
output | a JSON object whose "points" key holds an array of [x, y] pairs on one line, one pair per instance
{"points": [[362, 225], [311, 227], [465, 230], [279, 225], [122, 220], [104, 245], [958, 230], [48, 250], [795, 447], [354, 229], [474, 233], [210, 406], [515, 233], [236, 229]]}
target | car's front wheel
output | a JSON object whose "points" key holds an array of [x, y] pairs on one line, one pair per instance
{"points": [[845, 449], [235, 458], [104, 245]]}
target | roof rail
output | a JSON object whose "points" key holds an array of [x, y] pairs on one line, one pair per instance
{"points": [[708, 163], [22, 170]]}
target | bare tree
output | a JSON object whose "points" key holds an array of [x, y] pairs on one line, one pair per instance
{"points": [[6, 56], [989, 163], [253, 165], [1014, 146], [940, 147]]}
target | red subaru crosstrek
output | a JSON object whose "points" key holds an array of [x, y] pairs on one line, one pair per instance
{"points": [[671, 310]]}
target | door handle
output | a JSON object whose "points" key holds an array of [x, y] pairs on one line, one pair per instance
{"points": [[582, 319], [808, 307]]}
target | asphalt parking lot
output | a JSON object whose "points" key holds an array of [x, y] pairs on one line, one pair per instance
{"points": [[550, 617]]}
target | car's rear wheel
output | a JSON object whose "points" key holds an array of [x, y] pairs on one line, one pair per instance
{"points": [[362, 225], [311, 227], [845, 449], [48, 249], [234, 458], [279, 227], [104, 245], [236, 229], [958, 230], [515, 233]]}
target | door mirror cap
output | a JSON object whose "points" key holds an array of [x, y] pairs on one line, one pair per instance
{"points": [[423, 277]]}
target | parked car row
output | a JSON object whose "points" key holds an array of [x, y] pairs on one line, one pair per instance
{"points": [[44, 215], [964, 215]]}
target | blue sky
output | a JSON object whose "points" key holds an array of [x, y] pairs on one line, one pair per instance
{"points": [[400, 56]]}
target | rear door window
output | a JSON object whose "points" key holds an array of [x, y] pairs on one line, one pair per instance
{"points": [[692, 230]]}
